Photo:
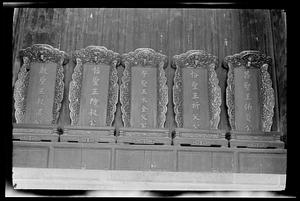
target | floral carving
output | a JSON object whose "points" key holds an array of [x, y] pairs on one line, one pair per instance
{"points": [[40, 53], [74, 92], [267, 94], [251, 59], [197, 59], [144, 57], [94, 55]]}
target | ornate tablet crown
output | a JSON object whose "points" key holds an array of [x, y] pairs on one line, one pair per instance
{"points": [[193, 58], [43, 53], [249, 58], [144, 57], [97, 54]]}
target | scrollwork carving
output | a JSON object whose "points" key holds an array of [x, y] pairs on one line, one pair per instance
{"points": [[267, 93], [94, 55], [214, 97], [40, 53], [144, 57], [59, 91], [112, 94], [74, 92], [43, 53], [162, 97], [197, 59], [178, 97], [251, 59], [20, 91], [194, 59]]}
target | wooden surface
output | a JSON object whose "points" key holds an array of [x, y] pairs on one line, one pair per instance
{"points": [[63, 179], [104, 156], [220, 32]]}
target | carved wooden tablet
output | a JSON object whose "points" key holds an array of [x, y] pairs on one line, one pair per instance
{"points": [[249, 93], [39, 88], [250, 99], [196, 93], [197, 99], [144, 94], [93, 95], [94, 87]]}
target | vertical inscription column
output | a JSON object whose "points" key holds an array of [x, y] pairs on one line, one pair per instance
{"points": [[144, 97], [195, 99], [94, 101], [145, 102], [42, 94], [247, 107], [196, 108]]}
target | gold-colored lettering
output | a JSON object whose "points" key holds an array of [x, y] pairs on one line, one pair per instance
{"points": [[94, 101], [247, 106], [144, 83], [248, 117], [196, 118], [246, 74], [93, 112], [194, 74], [43, 70], [247, 86], [92, 122], [144, 72], [195, 105], [43, 79], [95, 81], [195, 95], [194, 85], [248, 96], [144, 91], [95, 91], [96, 70], [144, 108]]}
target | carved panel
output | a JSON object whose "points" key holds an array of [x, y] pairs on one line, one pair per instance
{"points": [[148, 59], [38, 59], [256, 64], [204, 64], [96, 59]]}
